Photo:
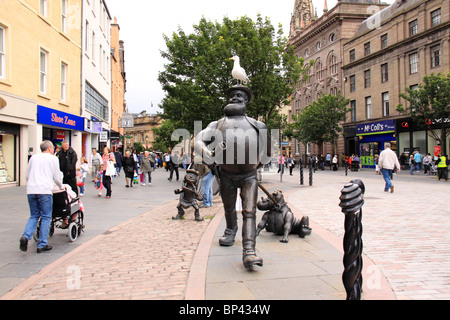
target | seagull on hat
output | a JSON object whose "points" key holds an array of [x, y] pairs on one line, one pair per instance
{"points": [[238, 72]]}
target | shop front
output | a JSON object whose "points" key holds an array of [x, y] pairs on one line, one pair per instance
{"points": [[58, 126], [372, 137]]}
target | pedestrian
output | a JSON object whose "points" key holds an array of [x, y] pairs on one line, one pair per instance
{"points": [[166, 161], [99, 179], [412, 165], [94, 163], [387, 162], [207, 177], [281, 164], [42, 174], [328, 160], [173, 166], [442, 167], [129, 168], [427, 161], [118, 156], [84, 168], [377, 167], [67, 164], [147, 164], [335, 162], [140, 172], [418, 160], [291, 164], [109, 162]]}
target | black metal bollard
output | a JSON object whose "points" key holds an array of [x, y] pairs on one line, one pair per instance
{"points": [[310, 174], [346, 167], [301, 171], [352, 200]]}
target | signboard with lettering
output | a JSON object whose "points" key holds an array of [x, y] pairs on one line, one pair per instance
{"points": [[379, 127], [60, 119]]}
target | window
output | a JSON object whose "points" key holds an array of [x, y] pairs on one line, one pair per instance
{"points": [[86, 40], [43, 7], [2, 52], [385, 103], [384, 73], [63, 81], [413, 27], [353, 108], [64, 16], [43, 71], [352, 55], [366, 48], [384, 41], [436, 17], [352, 84], [332, 37], [369, 107], [318, 45], [318, 67], [413, 63], [333, 64], [367, 79], [93, 46], [95, 102], [435, 56], [306, 53]]}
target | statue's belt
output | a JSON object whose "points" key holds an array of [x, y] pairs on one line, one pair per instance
{"points": [[236, 177]]}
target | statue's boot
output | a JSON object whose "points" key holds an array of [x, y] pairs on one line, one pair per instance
{"points": [[305, 230], [180, 213], [230, 232], [197, 215], [249, 257]]}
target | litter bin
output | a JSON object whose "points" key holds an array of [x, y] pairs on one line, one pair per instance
{"points": [[354, 166]]}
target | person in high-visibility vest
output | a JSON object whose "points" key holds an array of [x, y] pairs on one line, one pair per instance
{"points": [[442, 167]]}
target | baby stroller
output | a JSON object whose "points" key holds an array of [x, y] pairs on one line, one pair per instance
{"points": [[67, 209]]}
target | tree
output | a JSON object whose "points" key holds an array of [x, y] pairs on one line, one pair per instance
{"points": [[429, 106], [198, 72], [163, 136], [320, 122]]}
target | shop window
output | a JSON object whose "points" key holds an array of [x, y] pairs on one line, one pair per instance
{"points": [[7, 158]]}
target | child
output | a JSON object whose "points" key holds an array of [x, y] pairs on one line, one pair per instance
{"points": [[99, 179], [84, 168]]}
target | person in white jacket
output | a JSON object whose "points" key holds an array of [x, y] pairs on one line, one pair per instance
{"points": [[42, 173], [387, 162]]}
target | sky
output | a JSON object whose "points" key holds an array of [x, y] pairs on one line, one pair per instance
{"points": [[143, 23]]}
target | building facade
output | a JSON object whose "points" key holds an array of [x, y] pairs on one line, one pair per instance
{"points": [[391, 51], [118, 86], [39, 80], [96, 75], [321, 39], [142, 131]]}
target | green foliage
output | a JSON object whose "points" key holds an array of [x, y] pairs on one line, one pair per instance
{"points": [[163, 136], [320, 122], [429, 105], [198, 72]]}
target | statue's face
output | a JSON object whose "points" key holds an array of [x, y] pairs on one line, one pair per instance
{"points": [[238, 96]]}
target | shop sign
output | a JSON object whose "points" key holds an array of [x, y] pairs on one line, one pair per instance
{"points": [[60, 119], [104, 136], [60, 135], [379, 127]]}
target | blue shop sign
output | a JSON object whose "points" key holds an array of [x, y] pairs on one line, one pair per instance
{"points": [[379, 127], [60, 119]]}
